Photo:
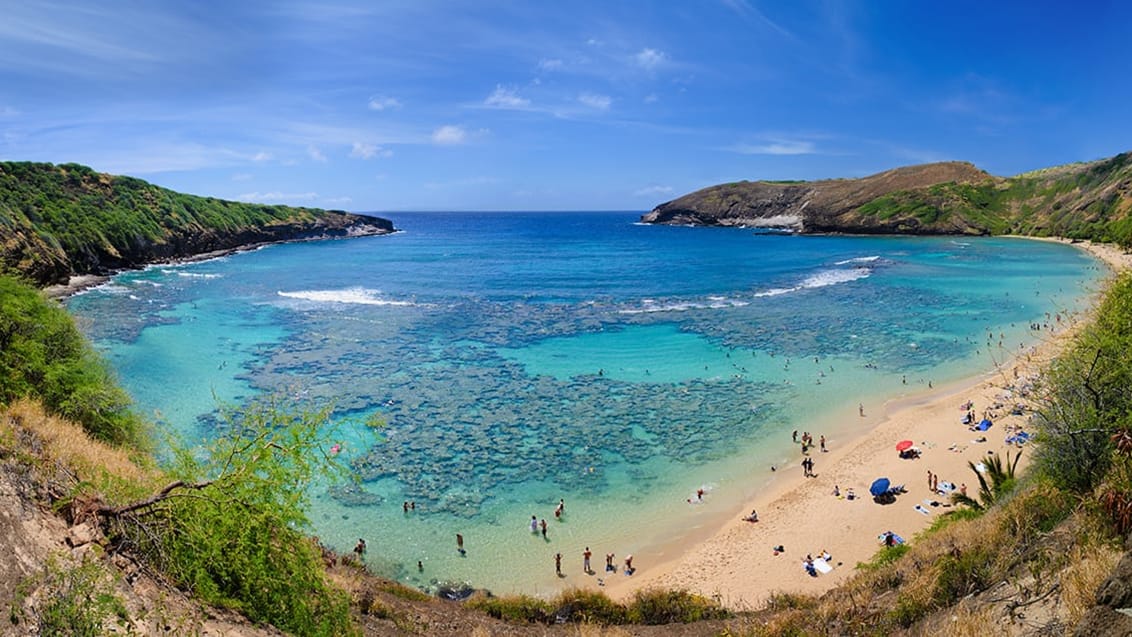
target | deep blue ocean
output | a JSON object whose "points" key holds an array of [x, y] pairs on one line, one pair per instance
{"points": [[520, 358]]}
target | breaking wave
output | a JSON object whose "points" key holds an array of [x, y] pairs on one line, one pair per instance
{"points": [[356, 296]]}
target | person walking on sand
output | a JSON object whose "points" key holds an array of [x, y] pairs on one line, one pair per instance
{"points": [[586, 561], [629, 564], [861, 409], [822, 441], [609, 563], [558, 564]]}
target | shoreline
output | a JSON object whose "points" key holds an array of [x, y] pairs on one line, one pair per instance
{"points": [[77, 283], [736, 563]]}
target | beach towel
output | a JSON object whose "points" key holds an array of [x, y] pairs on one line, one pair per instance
{"points": [[945, 487], [984, 425], [896, 539], [822, 566], [921, 509]]}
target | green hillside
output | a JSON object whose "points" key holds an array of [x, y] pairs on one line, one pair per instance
{"points": [[61, 220], [1090, 200]]}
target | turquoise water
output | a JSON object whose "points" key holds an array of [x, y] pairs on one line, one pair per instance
{"points": [[523, 358]]}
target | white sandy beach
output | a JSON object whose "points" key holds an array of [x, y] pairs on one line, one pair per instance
{"points": [[737, 564]]}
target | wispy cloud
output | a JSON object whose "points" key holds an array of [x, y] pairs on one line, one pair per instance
{"points": [[363, 150], [653, 191], [751, 12], [593, 100], [382, 102], [506, 98], [276, 196], [776, 147], [262, 156], [650, 59], [242, 177], [449, 135], [314, 153], [337, 201], [551, 64]]}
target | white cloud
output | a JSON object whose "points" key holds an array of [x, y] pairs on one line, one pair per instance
{"points": [[381, 103], [449, 135], [653, 191], [593, 100], [337, 201], [650, 58], [315, 153], [505, 97], [242, 177], [550, 64], [275, 196], [776, 147], [362, 150], [262, 156]]}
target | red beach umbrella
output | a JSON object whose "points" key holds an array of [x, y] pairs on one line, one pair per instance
{"points": [[904, 445]]}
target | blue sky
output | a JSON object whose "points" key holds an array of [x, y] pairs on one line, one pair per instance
{"points": [[533, 105]]}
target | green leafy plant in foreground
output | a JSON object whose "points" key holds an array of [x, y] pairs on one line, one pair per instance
{"points": [[231, 527]]}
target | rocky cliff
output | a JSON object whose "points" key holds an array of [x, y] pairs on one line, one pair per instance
{"points": [[1085, 201], [60, 221]]}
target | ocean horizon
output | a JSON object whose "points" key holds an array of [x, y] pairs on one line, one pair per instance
{"points": [[519, 359]]}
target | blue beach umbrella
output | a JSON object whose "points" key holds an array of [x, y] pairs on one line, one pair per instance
{"points": [[880, 485]]}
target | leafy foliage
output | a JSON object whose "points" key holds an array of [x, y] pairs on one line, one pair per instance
{"points": [[995, 481], [43, 355], [1088, 396], [55, 220], [76, 601], [231, 528]]}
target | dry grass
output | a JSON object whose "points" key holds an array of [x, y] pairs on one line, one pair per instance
{"points": [[593, 630], [1088, 568], [62, 442], [967, 620]]}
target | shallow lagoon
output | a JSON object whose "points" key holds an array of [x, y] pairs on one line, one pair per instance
{"points": [[523, 358]]}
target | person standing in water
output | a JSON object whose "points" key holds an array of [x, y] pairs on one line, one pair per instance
{"points": [[534, 524], [560, 509], [542, 525], [460, 544]]}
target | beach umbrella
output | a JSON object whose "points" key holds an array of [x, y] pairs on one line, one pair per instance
{"points": [[880, 486], [904, 445]]}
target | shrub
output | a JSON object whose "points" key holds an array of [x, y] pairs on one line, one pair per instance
{"points": [[667, 607], [76, 601], [43, 355]]}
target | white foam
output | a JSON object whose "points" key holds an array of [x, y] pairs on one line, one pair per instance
{"points": [[833, 277], [821, 280], [355, 295], [198, 275], [858, 260], [649, 306]]}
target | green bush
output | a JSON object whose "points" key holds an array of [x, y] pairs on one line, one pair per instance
{"points": [[76, 601], [1087, 396], [231, 529], [667, 607], [515, 608], [43, 355]]}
